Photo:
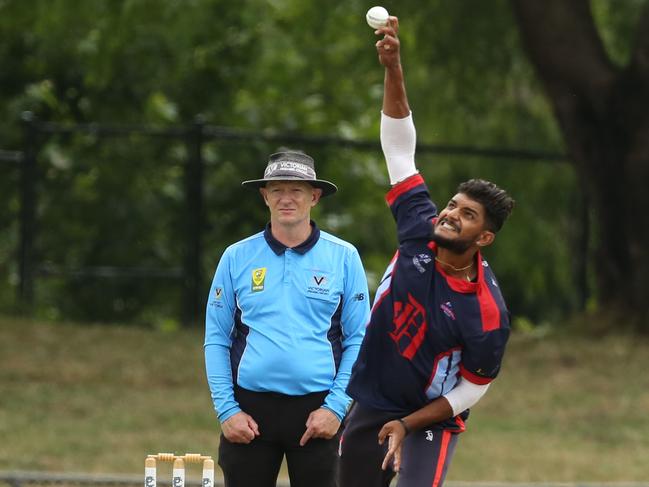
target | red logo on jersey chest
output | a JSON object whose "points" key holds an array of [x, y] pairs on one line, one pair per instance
{"points": [[410, 326]]}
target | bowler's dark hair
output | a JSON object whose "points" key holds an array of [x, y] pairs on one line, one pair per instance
{"points": [[497, 203]]}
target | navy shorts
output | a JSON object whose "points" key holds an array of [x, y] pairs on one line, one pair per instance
{"points": [[425, 456]]}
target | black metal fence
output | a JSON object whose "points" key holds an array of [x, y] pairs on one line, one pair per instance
{"points": [[194, 136]]}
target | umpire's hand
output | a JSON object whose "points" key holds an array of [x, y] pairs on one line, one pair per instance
{"points": [[240, 428], [321, 423]]}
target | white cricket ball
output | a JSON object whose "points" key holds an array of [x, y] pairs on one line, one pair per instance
{"points": [[377, 17]]}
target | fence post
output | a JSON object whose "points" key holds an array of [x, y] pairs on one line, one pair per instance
{"points": [[193, 272], [28, 176]]}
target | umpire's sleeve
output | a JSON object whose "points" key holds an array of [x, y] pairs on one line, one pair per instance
{"points": [[355, 316], [219, 323]]}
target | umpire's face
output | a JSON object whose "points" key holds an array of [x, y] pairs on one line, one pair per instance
{"points": [[290, 202]]}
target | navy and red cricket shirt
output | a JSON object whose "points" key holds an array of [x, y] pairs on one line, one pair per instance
{"points": [[427, 328]]}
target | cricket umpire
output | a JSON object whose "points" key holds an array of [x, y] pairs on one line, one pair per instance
{"points": [[286, 315]]}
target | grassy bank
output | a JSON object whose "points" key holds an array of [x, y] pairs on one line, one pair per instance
{"points": [[97, 399]]}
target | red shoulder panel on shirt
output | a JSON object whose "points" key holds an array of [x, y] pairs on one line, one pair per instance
{"points": [[489, 311], [402, 187]]}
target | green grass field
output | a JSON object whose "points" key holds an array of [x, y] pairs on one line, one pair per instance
{"points": [[98, 399]]}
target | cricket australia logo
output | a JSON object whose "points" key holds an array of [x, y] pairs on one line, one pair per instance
{"points": [[409, 320], [258, 278]]}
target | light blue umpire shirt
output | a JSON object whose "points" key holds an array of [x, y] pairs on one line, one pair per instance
{"points": [[285, 320]]}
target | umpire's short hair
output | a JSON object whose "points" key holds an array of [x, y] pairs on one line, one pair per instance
{"points": [[497, 203]]}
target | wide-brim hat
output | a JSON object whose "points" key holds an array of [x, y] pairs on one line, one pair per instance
{"points": [[291, 166]]}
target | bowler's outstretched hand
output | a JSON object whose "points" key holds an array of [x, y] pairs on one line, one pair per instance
{"points": [[388, 47], [395, 433]]}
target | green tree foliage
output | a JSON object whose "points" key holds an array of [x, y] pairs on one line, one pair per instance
{"points": [[276, 66]]}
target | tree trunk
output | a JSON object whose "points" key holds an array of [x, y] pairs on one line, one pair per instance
{"points": [[603, 113]]}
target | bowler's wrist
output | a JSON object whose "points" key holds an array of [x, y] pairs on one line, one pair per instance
{"points": [[406, 427]]}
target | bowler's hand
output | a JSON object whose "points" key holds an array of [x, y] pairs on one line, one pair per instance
{"points": [[388, 47], [321, 423], [395, 433], [240, 428]]}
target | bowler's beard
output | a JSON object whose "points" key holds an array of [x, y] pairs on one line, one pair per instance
{"points": [[456, 245]]}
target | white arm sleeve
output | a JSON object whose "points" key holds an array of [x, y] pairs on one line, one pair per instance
{"points": [[465, 395], [398, 141]]}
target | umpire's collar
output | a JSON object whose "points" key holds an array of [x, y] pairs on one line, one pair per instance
{"points": [[279, 248]]}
